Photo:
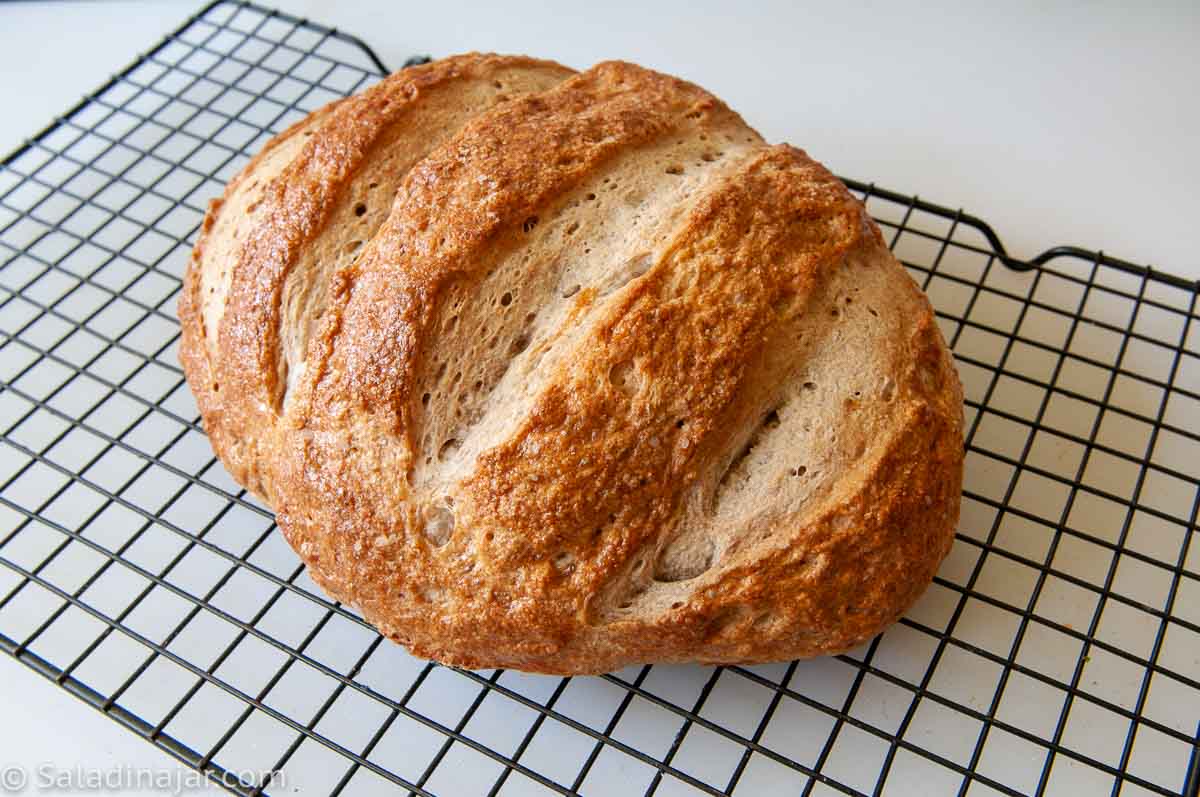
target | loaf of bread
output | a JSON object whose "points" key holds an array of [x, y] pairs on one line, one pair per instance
{"points": [[568, 371]]}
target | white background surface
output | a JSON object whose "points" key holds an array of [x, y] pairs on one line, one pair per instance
{"points": [[1065, 125], [1057, 125]]}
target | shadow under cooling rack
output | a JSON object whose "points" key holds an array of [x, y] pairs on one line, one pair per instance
{"points": [[1057, 651]]}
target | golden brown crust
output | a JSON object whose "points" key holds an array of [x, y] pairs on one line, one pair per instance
{"points": [[193, 346], [621, 484], [291, 211]]}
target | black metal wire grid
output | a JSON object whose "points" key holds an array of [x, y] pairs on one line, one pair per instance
{"points": [[1056, 653]]}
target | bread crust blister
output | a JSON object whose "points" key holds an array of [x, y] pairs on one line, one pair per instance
{"points": [[567, 371]]}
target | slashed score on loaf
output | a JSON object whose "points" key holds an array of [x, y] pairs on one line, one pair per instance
{"points": [[566, 371]]}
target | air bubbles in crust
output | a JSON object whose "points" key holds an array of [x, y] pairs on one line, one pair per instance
{"points": [[684, 559], [520, 343], [726, 620], [448, 448], [623, 377], [439, 522]]}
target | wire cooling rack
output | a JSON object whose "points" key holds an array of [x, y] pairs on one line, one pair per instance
{"points": [[1057, 652]]}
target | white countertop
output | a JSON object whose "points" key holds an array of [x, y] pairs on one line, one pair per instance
{"points": [[1057, 126]]}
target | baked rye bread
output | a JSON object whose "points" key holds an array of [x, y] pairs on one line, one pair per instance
{"points": [[564, 372]]}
